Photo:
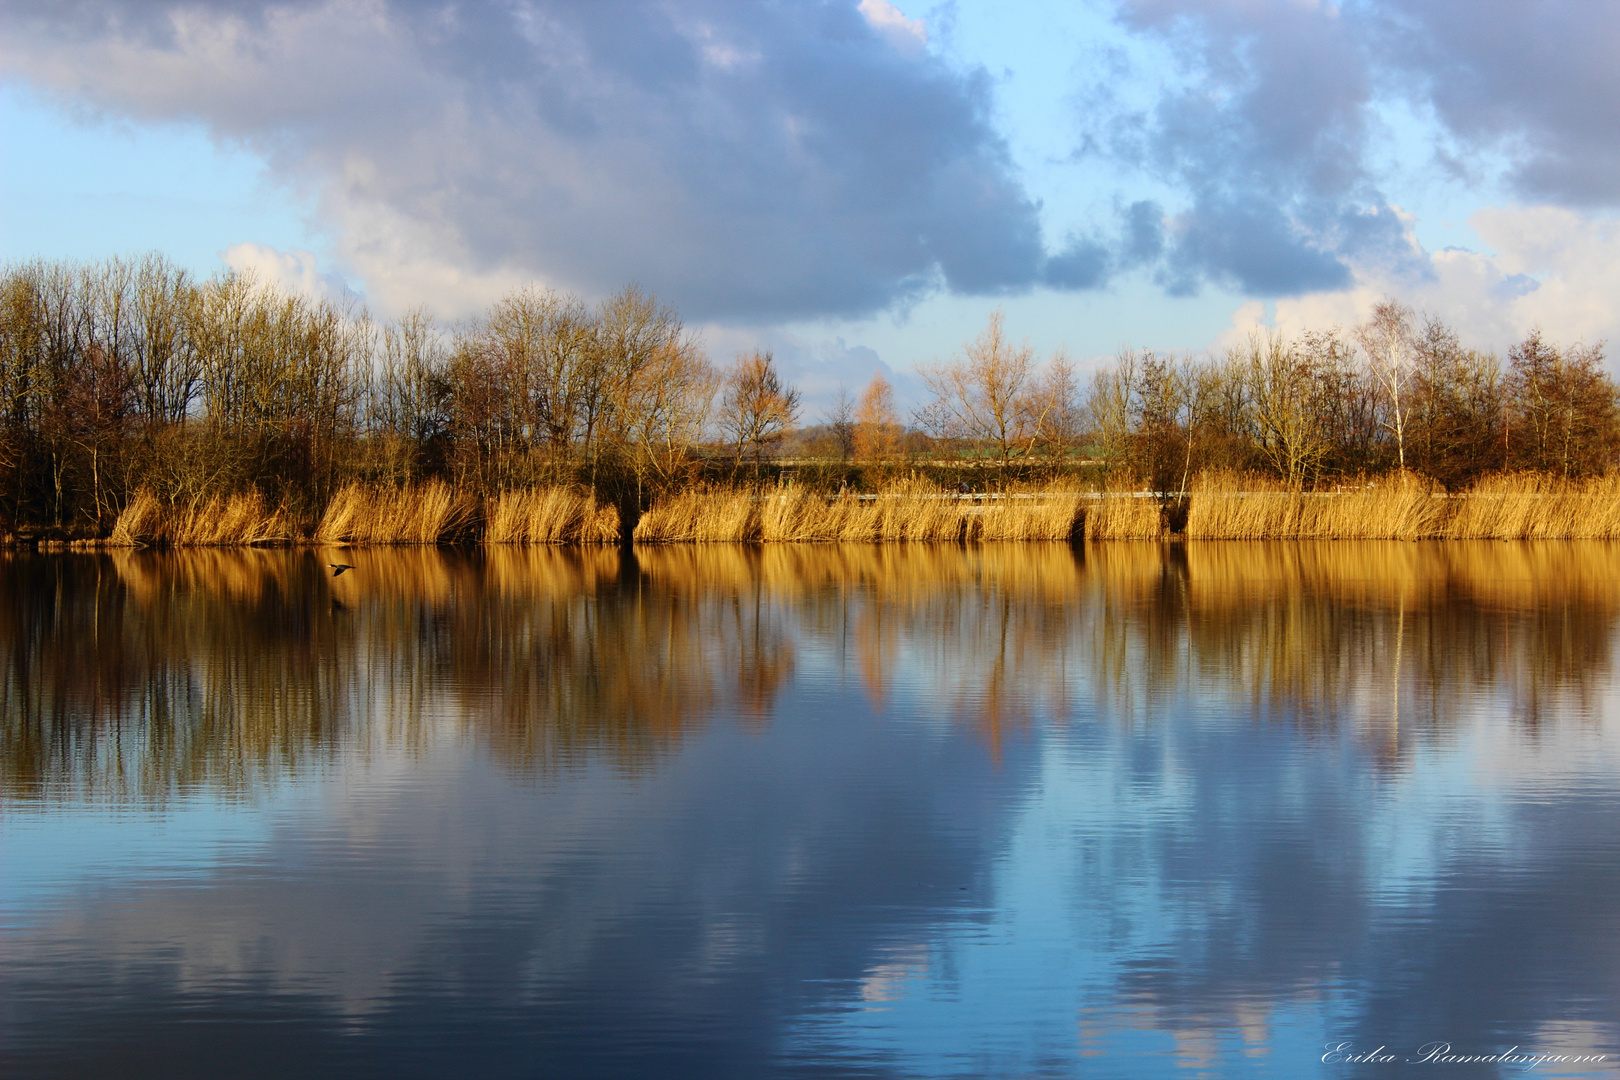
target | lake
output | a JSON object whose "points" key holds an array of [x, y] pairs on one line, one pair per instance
{"points": [[1219, 809]]}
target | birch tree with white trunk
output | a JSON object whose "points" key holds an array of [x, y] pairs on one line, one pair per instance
{"points": [[1387, 339]]}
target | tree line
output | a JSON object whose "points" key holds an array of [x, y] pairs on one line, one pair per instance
{"points": [[1398, 392], [124, 374], [120, 375]]}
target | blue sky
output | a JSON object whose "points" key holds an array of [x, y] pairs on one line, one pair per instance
{"points": [[854, 183]]}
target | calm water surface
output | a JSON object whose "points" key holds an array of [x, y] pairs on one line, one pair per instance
{"points": [[1134, 811]]}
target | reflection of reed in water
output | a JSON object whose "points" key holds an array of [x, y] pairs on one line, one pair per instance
{"points": [[128, 675], [628, 668], [1317, 633], [890, 570], [990, 626], [147, 674], [1351, 630]]}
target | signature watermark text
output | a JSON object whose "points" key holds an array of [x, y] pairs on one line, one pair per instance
{"points": [[1441, 1052]]}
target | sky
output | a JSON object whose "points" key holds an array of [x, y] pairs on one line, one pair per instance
{"points": [[853, 184]]}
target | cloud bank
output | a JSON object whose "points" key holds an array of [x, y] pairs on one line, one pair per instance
{"points": [[768, 160], [757, 162], [1270, 127]]}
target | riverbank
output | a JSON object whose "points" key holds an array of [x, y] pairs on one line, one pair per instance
{"points": [[1220, 506]]}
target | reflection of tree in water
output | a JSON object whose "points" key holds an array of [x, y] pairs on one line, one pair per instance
{"points": [[1405, 634], [989, 626], [1275, 877], [147, 674], [152, 675], [1373, 634]]}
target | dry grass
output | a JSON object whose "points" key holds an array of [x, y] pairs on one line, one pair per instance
{"points": [[1124, 515], [1236, 506], [1030, 514], [1530, 507], [903, 510], [915, 510], [1222, 506], [418, 514], [1523, 506], [549, 516], [240, 519], [702, 514]]}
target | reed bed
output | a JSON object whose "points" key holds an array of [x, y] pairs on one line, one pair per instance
{"points": [[1117, 515], [1517, 506], [792, 514], [241, 519], [1527, 506], [428, 513], [704, 514], [1236, 506], [912, 510], [549, 516], [1030, 514], [1221, 506]]}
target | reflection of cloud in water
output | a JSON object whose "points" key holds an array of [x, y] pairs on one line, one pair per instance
{"points": [[689, 910], [1260, 796]]}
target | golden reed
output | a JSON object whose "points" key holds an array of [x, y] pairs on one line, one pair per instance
{"points": [[425, 514], [1221, 506], [431, 513], [905, 510], [233, 520], [1517, 506], [549, 516]]}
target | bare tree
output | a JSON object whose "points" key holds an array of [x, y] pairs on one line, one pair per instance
{"points": [[1564, 407], [1388, 339], [1284, 392], [658, 387], [668, 408], [409, 402], [167, 367], [840, 421], [876, 435], [1059, 415], [1222, 414], [982, 395], [1163, 444], [1141, 414], [756, 410], [1110, 405]]}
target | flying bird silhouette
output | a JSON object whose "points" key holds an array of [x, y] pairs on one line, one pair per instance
{"points": [[338, 568]]}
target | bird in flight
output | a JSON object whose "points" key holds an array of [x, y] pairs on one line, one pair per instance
{"points": [[338, 568]]}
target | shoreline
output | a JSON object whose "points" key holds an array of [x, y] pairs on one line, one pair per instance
{"points": [[1216, 507]]}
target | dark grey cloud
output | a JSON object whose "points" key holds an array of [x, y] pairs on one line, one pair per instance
{"points": [[1265, 129], [1266, 137], [741, 158], [753, 160], [1538, 81], [1083, 264]]}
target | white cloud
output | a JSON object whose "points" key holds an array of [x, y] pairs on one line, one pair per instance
{"points": [[296, 271], [741, 160], [1547, 267], [907, 35]]}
